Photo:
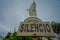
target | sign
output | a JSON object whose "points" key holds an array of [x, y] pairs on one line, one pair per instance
{"points": [[35, 28]]}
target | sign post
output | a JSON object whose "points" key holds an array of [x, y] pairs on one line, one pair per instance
{"points": [[34, 38]]}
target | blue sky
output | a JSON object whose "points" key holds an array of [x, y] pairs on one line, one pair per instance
{"points": [[12, 12]]}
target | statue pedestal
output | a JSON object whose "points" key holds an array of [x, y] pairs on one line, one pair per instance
{"points": [[34, 38]]}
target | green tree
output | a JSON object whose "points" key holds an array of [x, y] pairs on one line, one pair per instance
{"points": [[56, 27]]}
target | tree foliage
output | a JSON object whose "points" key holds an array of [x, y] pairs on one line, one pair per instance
{"points": [[56, 27]]}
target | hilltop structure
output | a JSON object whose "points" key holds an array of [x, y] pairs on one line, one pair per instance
{"points": [[33, 26]]}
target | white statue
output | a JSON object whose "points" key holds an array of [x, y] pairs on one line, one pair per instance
{"points": [[32, 9]]}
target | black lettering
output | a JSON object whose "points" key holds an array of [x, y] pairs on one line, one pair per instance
{"points": [[22, 28], [48, 28], [36, 28], [44, 28], [26, 27], [32, 26], [41, 27]]}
